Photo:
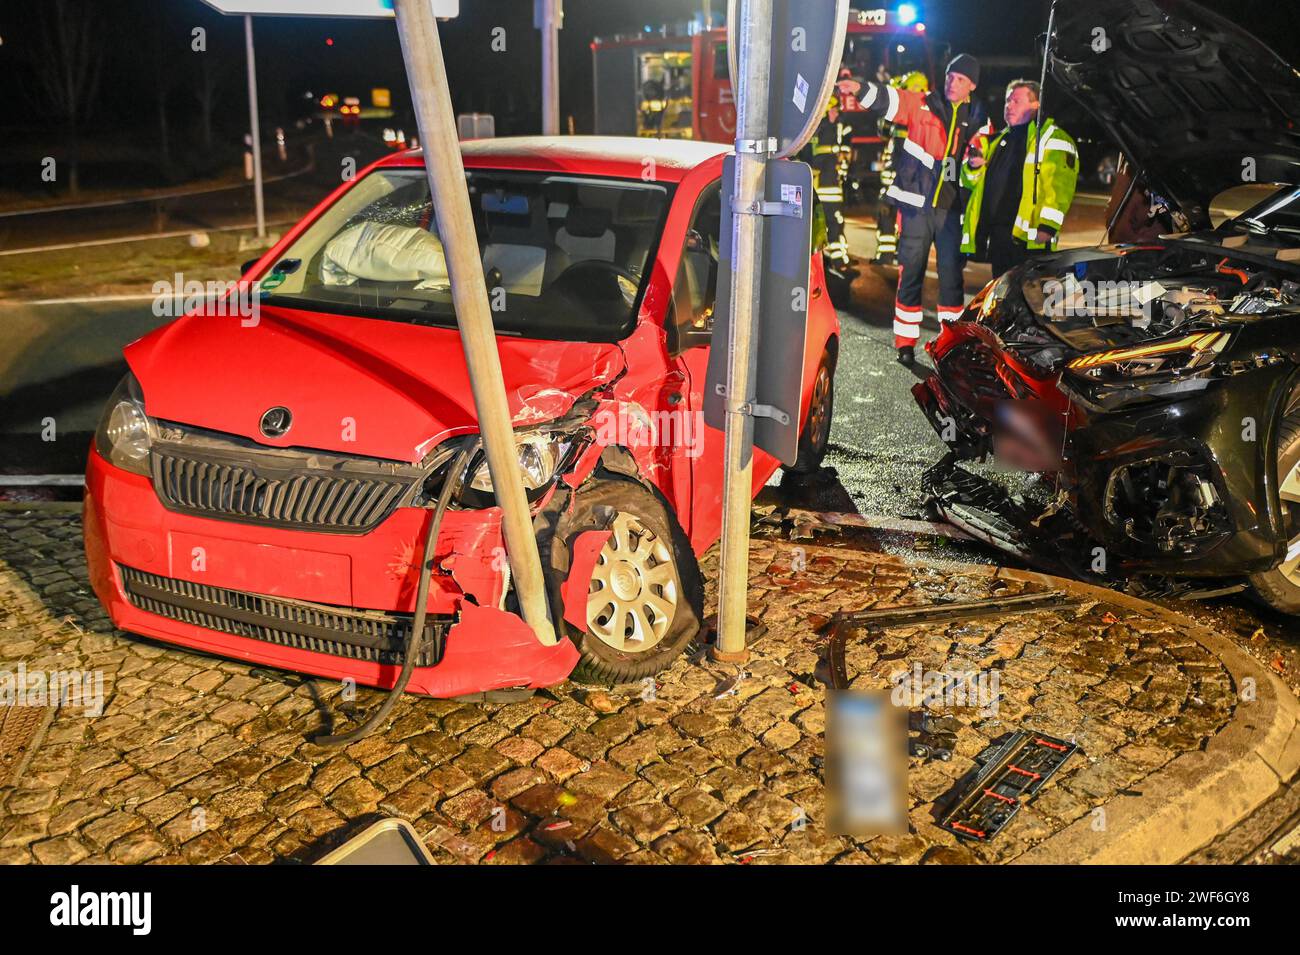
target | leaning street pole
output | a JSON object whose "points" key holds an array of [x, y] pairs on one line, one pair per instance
{"points": [[254, 130], [417, 29], [752, 36]]}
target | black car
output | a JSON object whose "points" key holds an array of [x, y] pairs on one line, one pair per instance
{"points": [[1151, 385]]}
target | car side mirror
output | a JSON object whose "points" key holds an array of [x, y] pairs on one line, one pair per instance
{"points": [[248, 266]]}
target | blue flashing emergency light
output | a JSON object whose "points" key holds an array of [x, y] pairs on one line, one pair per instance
{"points": [[907, 14]]}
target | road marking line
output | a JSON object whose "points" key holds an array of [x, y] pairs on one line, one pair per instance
{"points": [[87, 299], [156, 197], [42, 480], [138, 238]]}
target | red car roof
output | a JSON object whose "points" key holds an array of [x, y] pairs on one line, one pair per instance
{"points": [[620, 156]]}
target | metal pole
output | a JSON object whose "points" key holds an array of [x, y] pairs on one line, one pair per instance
{"points": [[550, 26], [258, 201], [1042, 83], [417, 29], [708, 14], [753, 36]]}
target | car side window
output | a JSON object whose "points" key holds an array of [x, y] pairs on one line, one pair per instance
{"points": [[695, 288]]}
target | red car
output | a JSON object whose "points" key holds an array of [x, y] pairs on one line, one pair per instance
{"points": [[262, 479]]}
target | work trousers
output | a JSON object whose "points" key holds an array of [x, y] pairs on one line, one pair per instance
{"points": [[920, 229]]}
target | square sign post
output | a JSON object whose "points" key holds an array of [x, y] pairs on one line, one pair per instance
{"points": [[786, 54], [417, 29]]}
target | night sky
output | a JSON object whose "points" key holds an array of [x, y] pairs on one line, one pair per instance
{"points": [[147, 55]]}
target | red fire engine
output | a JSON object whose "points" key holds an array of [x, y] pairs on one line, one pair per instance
{"points": [[678, 85]]}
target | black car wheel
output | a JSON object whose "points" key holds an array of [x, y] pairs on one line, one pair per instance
{"points": [[1280, 587], [816, 433], [645, 598]]}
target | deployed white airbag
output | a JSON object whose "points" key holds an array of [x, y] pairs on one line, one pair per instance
{"points": [[381, 252]]}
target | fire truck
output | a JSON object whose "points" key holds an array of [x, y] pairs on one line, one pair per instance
{"points": [[676, 84]]}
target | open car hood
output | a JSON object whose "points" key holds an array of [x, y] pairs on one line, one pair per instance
{"points": [[1186, 94], [354, 386]]}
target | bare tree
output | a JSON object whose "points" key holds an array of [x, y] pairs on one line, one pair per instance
{"points": [[68, 56], [208, 80]]}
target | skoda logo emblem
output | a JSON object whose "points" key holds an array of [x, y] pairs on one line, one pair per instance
{"points": [[276, 421]]}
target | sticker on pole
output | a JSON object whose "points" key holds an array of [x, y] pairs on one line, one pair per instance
{"points": [[801, 93], [326, 8], [792, 195]]}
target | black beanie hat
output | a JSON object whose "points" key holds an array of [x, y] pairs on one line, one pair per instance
{"points": [[967, 66]]}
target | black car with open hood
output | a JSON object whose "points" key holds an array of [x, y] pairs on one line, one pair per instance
{"points": [[1153, 387], [1196, 103]]}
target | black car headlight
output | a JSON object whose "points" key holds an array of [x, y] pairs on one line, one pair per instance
{"points": [[1171, 356], [122, 437]]}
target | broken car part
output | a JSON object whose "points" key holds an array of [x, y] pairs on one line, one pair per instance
{"points": [[842, 624], [450, 482], [1011, 774]]}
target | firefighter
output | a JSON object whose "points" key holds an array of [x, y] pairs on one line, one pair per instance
{"points": [[829, 161], [886, 214], [927, 189], [1005, 221]]}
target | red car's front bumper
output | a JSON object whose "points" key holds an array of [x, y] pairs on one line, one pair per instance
{"points": [[485, 648]]}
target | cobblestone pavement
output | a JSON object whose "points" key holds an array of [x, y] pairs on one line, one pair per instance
{"points": [[196, 759]]}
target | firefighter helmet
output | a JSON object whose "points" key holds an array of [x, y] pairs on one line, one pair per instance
{"points": [[916, 81]]}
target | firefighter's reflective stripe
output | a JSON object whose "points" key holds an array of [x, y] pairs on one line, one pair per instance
{"points": [[911, 198], [866, 101], [1054, 216], [830, 193], [948, 313], [891, 110], [1060, 144], [907, 320], [915, 150]]}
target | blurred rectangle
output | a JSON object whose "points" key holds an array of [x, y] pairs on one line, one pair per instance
{"points": [[866, 764]]}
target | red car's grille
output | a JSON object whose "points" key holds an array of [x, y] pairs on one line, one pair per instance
{"points": [[367, 635], [310, 498]]}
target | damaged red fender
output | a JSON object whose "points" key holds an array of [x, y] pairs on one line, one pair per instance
{"points": [[491, 649], [583, 552]]}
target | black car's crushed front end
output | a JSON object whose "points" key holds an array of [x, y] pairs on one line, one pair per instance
{"points": [[1152, 435]]}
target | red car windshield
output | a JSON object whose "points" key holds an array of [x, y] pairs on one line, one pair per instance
{"points": [[565, 256]]}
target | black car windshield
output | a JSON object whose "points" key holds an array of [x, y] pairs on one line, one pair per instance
{"points": [[565, 256], [1278, 215]]}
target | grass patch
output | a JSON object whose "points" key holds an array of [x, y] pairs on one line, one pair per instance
{"points": [[120, 268]]}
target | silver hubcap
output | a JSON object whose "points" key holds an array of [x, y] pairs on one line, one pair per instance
{"points": [[821, 393], [1290, 494], [634, 589]]}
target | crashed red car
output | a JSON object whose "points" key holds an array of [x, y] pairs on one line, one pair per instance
{"points": [[260, 482]]}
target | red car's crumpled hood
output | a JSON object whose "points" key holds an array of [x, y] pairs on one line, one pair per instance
{"points": [[353, 385]]}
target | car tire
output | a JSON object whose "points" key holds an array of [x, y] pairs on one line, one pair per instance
{"points": [[644, 538], [1278, 588], [815, 435]]}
